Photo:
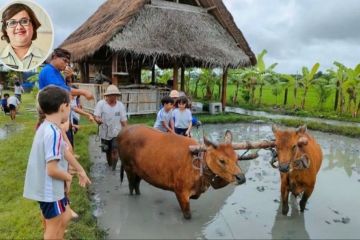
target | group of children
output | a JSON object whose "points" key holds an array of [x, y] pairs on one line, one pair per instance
{"points": [[175, 115]]}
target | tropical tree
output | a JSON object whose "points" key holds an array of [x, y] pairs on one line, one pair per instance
{"points": [[243, 79], [277, 85], [290, 81], [323, 87], [307, 80], [207, 81], [339, 77], [352, 86], [262, 72]]}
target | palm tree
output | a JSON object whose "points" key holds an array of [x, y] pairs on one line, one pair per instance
{"points": [[307, 80]]}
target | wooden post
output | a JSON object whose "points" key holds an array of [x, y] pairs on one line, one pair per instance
{"points": [[175, 76], [153, 76], [114, 69], [182, 81], [84, 72], [224, 87]]}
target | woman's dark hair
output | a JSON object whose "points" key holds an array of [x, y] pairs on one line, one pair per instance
{"points": [[17, 84], [51, 98], [12, 10]]}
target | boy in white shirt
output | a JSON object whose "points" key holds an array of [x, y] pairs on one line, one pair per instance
{"points": [[13, 104], [164, 120], [48, 162]]}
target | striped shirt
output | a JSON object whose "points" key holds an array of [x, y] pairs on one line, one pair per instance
{"points": [[48, 145]]}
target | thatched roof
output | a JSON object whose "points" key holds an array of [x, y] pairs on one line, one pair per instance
{"points": [[132, 26]]}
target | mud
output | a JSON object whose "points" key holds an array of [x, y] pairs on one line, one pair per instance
{"points": [[8, 129], [251, 210]]}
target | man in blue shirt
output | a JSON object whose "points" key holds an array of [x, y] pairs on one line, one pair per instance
{"points": [[51, 73]]}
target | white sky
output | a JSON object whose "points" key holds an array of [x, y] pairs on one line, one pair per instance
{"points": [[295, 33]]}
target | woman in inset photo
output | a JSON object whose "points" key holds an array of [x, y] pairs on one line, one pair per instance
{"points": [[19, 30]]}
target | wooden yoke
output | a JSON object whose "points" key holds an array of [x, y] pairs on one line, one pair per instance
{"points": [[246, 145]]}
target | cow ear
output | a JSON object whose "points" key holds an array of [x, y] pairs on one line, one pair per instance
{"points": [[302, 129], [209, 143], [274, 128], [228, 137]]}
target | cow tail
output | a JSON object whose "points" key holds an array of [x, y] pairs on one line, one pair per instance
{"points": [[121, 173]]}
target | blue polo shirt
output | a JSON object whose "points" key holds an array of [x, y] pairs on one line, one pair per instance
{"points": [[49, 75]]}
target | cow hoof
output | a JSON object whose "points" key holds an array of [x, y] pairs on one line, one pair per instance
{"points": [[302, 206], [285, 210], [187, 215]]}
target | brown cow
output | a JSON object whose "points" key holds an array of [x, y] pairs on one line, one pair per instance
{"points": [[165, 161], [300, 158]]}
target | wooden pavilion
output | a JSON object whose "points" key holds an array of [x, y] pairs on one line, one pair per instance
{"points": [[125, 36]]}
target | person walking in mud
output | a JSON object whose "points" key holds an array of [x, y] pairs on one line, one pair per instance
{"points": [[110, 114]]}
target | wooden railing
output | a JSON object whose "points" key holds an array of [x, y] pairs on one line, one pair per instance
{"points": [[137, 101]]}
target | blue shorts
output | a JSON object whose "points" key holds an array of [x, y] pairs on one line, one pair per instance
{"points": [[53, 209]]}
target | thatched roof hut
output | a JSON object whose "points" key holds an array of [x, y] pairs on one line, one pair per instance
{"points": [[127, 35]]}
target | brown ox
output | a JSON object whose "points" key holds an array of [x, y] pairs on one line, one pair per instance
{"points": [[165, 161], [300, 158]]}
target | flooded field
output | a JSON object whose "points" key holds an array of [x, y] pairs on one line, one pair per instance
{"points": [[251, 210]]}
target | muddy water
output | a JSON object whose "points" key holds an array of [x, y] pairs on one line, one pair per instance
{"points": [[281, 116], [251, 210], [8, 129]]}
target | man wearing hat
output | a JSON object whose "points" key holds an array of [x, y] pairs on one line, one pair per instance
{"points": [[111, 115]]}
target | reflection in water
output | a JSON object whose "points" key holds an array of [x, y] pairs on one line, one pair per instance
{"points": [[341, 153], [289, 227]]}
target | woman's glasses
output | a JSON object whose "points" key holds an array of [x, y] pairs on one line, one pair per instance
{"points": [[13, 23]]}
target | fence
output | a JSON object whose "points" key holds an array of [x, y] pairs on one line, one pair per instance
{"points": [[137, 100]]}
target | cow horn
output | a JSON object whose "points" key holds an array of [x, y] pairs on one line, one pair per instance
{"points": [[301, 129], [209, 143], [228, 137]]}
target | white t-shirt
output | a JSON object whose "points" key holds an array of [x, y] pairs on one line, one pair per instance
{"points": [[111, 116], [13, 100], [182, 119], [18, 90], [162, 116], [48, 145]]}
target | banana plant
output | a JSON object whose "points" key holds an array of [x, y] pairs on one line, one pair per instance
{"points": [[242, 78], [352, 86], [290, 82], [323, 88], [307, 80], [339, 77], [262, 72]]}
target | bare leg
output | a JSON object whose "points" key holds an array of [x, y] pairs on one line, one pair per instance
{"points": [[53, 227], [65, 219], [114, 158]]}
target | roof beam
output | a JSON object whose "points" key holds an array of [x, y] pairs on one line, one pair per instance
{"points": [[198, 3], [211, 8]]}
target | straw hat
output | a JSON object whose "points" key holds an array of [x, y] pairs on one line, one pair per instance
{"points": [[112, 90], [174, 94]]}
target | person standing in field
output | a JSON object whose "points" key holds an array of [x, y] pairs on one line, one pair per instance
{"points": [[46, 172]]}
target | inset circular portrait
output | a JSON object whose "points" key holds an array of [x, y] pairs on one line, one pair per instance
{"points": [[26, 35]]}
